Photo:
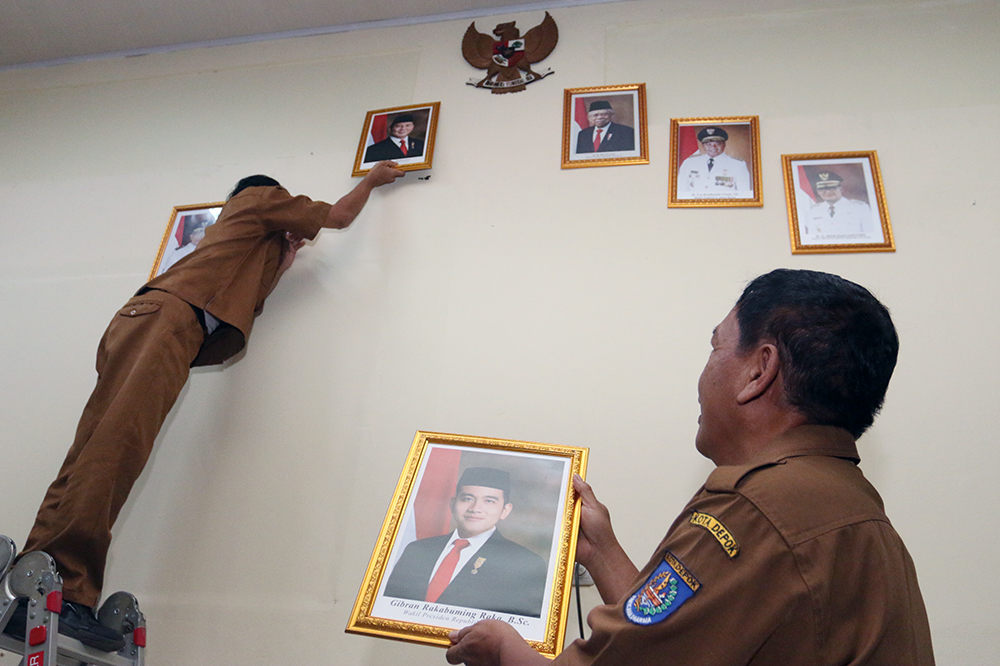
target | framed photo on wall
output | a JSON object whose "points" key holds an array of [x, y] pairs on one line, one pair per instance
{"points": [[604, 126], [184, 231], [478, 529], [715, 162], [403, 134], [836, 203]]}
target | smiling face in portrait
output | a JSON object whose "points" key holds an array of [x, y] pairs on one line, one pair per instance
{"points": [[830, 194], [713, 148], [400, 130], [477, 509], [600, 117]]}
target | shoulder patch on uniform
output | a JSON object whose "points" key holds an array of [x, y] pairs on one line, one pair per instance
{"points": [[669, 586], [718, 530]]}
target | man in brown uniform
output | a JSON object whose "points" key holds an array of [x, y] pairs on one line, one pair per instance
{"points": [[785, 555], [199, 312]]}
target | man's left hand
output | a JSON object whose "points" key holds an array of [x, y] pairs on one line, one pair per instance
{"points": [[491, 643], [295, 243]]}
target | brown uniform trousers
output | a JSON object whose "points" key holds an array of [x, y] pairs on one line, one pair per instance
{"points": [[143, 362]]}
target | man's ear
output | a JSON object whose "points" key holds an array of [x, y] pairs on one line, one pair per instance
{"points": [[507, 508], [762, 369]]}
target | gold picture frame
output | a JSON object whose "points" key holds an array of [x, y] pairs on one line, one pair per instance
{"points": [[500, 580], [377, 143], [836, 203], [184, 231], [623, 142], [715, 162]]}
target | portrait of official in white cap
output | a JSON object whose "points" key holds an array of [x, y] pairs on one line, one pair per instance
{"points": [[712, 173]]}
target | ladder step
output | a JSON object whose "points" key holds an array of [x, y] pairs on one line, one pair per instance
{"points": [[34, 578]]}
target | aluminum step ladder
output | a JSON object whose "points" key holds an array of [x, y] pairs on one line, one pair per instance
{"points": [[34, 577]]}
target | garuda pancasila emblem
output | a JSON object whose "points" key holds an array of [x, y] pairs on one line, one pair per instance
{"points": [[508, 60]]}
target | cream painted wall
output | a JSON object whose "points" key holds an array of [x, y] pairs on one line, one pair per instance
{"points": [[504, 297]]}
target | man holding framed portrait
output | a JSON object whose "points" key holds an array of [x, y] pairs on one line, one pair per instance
{"points": [[785, 554]]}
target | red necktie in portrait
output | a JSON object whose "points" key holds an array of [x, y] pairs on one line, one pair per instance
{"points": [[443, 575], [597, 139], [402, 146]]}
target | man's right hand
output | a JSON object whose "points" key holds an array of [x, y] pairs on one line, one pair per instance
{"points": [[383, 173], [597, 547], [595, 524]]}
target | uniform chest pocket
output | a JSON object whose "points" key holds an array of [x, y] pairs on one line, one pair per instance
{"points": [[139, 309]]}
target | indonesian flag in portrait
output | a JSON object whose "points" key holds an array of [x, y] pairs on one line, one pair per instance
{"points": [[179, 234], [580, 121], [432, 505], [379, 131], [804, 186], [687, 141], [431, 515]]}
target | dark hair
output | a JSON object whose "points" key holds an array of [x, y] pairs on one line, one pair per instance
{"points": [[836, 343], [253, 181]]}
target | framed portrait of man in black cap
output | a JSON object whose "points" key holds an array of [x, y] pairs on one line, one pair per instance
{"points": [[478, 529], [604, 126], [403, 134], [836, 203], [715, 162]]}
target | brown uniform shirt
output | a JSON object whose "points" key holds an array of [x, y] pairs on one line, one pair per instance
{"points": [[790, 561], [235, 266]]}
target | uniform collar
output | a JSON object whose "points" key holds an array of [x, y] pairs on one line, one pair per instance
{"points": [[807, 440]]}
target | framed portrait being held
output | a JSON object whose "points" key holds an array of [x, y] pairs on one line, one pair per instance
{"points": [[836, 203], [715, 162], [403, 134], [185, 230], [478, 529], [604, 126]]}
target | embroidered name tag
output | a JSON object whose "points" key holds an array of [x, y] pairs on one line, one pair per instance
{"points": [[718, 530], [669, 586]]}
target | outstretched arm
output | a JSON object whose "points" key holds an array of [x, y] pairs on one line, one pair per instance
{"points": [[597, 547], [347, 208]]}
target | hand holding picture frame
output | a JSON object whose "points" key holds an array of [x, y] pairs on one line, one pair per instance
{"points": [[478, 529], [715, 162], [185, 230], [836, 203], [403, 134], [604, 126]]}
